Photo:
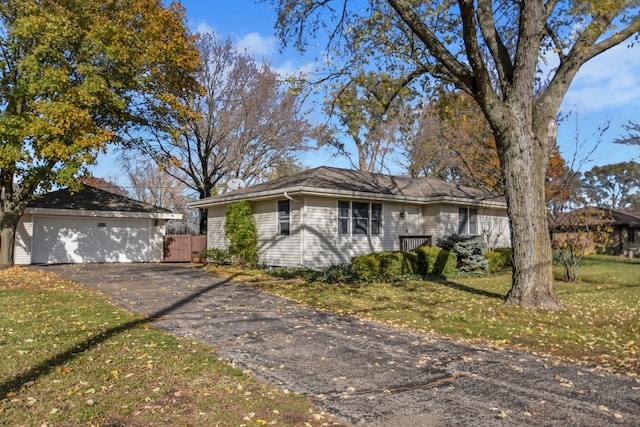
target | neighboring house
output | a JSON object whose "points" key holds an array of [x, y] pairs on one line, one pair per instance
{"points": [[90, 225], [623, 239], [327, 215]]}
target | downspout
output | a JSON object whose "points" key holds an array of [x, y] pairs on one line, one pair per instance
{"points": [[287, 196]]}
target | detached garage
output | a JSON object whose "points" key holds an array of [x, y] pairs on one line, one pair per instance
{"points": [[91, 225]]}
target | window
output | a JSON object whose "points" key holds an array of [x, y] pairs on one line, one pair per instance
{"points": [[376, 218], [360, 213], [631, 236], [359, 218], [344, 212], [284, 217], [467, 221]]}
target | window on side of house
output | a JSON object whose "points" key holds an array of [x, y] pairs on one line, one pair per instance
{"points": [[376, 218], [344, 213], [359, 218], [631, 234], [284, 217], [360, 213], [467, 221]]}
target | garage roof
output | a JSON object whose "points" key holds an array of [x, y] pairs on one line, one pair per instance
{"points": [[93, 199]]}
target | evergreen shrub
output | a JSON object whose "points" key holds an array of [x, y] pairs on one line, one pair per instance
{"points": [[499, 258], [469, 250]]}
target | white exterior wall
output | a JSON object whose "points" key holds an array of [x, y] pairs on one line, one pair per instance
{"points": [[323, 245], [492, 223], [448, 221], [273, 248], [24, 235], [431, 224], [215, 228], [156, 251]]}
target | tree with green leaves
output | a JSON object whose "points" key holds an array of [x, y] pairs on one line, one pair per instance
{"points": [[495, 52], [613, 186], [370, 109], [74, 77], [241, 233]]}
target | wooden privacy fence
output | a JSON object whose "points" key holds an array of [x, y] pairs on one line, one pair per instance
{"points": [[409, 243], [183, 247]]}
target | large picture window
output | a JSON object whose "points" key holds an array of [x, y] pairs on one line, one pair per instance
{"points": [[359, 218], [467, 221], [284, 217]]}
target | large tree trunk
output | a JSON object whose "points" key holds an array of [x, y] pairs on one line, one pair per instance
{"points": [[9, 223], [524, 161]]}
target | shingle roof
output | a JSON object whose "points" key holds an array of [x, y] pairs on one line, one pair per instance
{"points": [[91, 199], [375, 184], [594, 216]]}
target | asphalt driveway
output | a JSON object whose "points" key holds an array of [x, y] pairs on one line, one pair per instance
{"points": [[365, 373]]}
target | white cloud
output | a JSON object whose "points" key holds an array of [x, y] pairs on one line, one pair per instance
{"points": [[609, 81], [257, 46], [204, 28]]}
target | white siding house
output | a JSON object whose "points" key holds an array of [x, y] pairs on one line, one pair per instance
{"points": [[328, 215]]}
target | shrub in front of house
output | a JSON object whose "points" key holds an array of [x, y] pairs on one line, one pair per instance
{"points": [[335, 273], [367, 266], [433, 261], [469, 250], [396, 263], [242, 233], [290, 272], [499, 259], [388, 264], [216, 256], [605, 250]]}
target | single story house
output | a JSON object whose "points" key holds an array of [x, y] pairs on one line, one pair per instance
{"points": [[90, 225], [622, 233], [328, 215]]}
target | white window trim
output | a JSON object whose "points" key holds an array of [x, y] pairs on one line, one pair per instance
{"points": [[278, 218], [350, 219]]}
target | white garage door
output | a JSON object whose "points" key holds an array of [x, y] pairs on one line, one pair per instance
{"points": [[77, 240]]}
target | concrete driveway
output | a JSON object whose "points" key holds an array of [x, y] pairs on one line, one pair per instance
{"points": [[365, 373]]}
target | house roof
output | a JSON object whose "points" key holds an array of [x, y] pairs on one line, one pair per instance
{"points": [[593, 216], [93, 199], [327, 181]]}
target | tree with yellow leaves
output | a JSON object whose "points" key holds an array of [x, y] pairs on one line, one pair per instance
{"points": [[74, 77]]}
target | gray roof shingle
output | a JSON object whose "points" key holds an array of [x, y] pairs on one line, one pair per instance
{"points": [[91, 199], [336, 179]]}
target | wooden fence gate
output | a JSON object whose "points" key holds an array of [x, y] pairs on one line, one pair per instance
{"points": [[183, 247]]}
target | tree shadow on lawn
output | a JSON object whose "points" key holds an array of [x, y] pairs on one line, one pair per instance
{"points": [[441, 280], [47, 366]]}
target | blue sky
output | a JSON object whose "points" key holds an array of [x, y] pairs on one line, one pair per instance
{"points": [[605, 89]]}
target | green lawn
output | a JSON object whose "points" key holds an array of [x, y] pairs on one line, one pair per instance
{"points": [[599, 323], [68, 357]]}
